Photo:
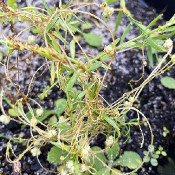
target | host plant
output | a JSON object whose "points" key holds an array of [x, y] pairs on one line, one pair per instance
{"points": [[82, 115]]}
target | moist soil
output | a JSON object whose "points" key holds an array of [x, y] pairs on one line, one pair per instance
{"points": [[156, 102]]}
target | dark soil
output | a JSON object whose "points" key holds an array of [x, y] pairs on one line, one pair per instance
{"points": [[155, 101]]}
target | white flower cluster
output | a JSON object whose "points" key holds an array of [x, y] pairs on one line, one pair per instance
{"points": [[109, 141], [168, 44], [62, 119], [85, 152], [51, 133], [83, 167], [31, 39], [108, 11], [39, 112], [109, 50], [35, 151], [34, 121], [4, 119], [70, 166]]}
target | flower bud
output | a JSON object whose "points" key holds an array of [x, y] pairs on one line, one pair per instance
{"points": [[168, 44], [4, 119], [109, 141], [131, 99], [31, 39], [109, 50], [35, 151], [39, 112], [85, 152], [69, 164], [34, 121], [51, 133], [108, 11]]}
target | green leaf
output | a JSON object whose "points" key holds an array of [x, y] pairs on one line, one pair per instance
{"points": [[151, 148], [52, 23], [125, 33], [104, 171], [95, 66], [55, 45], [98, 165], [47, 8], [153, 43], [55, 153], [110, 1], [12, 4], [155, 156], [129, 159], [164, 153], [60, 105], [76, 166], [92, 39], [45, 114], [119, 17], [13, 112], [72, 81], [1, 56], [154, 162], [52, 120], [168, 82], [86, 26], [112, 123], [113, 152], [150, 55], [72, 48]]}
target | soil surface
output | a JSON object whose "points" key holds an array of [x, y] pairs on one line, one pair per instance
{"points": [[155, 101]]}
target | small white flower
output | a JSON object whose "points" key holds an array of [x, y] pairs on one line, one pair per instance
{"points": [[85, 151], [69, 164], [131, 99], [144, 63], [168, 44], [31, 39], [108, 11], [35, 151], [39, 112], [127, 104], [63, 172], [34, 121], [109, 141], [62, 119], [109, 50], [4, 119], [51, 133], [83, 167], [62, 158], [37, 143]]}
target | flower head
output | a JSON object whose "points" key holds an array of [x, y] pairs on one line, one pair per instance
{"points": [[85, 151], [35, 151], [39, 112], [109, 141], [108, 11], [109, 50], [4, 119], [51, 133], [168, 44]]}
